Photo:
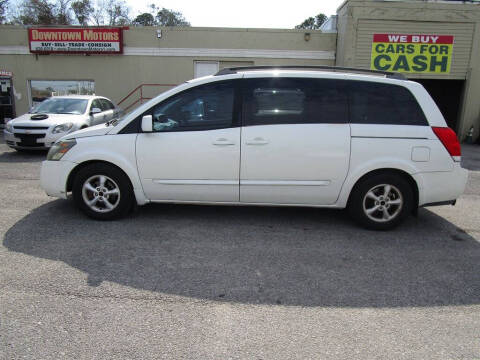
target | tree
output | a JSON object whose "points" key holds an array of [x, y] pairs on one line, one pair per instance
{"points": [[160, 17], [82, 9], [37, 12], [43, 12], [117, 12], [145, 19], [63, 12], [103, 12], [98, 13], [313, 23], [111, 12], [166, 17], [3, 10]]}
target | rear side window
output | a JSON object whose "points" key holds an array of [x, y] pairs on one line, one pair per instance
{"points": [[377, 103], [294, 101]]}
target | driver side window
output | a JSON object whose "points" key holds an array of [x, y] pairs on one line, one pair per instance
{"points": [[96, 104], [205, 107]]}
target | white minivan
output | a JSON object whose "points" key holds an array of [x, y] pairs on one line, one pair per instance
{"points": [[282, 136]]}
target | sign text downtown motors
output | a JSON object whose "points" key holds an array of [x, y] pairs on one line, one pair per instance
{"points": [[80, 35], [75, 40]]}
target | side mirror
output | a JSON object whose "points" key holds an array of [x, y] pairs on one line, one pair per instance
{"points": [[95, 111], [147, 123]]}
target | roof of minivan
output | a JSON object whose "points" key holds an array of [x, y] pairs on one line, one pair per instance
{"points": [[345, 75]]}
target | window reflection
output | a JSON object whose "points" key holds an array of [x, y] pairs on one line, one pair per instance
{"points": [[43, 89]]}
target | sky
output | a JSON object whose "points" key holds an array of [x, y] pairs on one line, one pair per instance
{"points": [[244, 13]]}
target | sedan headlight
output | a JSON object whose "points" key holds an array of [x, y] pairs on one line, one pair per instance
{"points": [[9, 126], [62, 128], [59, 149]]}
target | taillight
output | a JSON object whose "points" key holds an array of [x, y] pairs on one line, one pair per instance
{"points": [[449, 139]]}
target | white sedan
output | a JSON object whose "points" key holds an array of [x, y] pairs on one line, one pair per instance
{"points": [[56, 117]]}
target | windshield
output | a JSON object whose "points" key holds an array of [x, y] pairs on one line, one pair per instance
{"points": [[61, 106]]}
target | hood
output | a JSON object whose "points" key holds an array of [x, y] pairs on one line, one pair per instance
{"points": [[96, 130], [53, 119]]}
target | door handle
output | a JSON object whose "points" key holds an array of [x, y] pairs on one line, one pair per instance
{"points": [[222, 142], [257, 141]]}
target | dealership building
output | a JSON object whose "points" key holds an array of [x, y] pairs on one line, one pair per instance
{"points": [[436, 43]]}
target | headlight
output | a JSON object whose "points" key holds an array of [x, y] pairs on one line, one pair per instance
{"points": [[62, 128], [9, 126], [59, 149]]}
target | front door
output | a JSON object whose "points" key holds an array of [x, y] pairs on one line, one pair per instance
{"points": [[295, 141], [108, 109], [97, 118], [193, 154]]}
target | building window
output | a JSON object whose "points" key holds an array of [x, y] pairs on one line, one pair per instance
{"points": [[43, 89], [205, 68]]}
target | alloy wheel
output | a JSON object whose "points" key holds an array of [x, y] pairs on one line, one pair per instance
{"points": [[383, 203], [100, 193]]}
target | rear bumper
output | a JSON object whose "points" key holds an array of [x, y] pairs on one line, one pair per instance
{"points": [[54, 175], [441, 186], [441, 203]]}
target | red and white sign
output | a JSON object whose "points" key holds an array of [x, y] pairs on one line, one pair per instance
{"points": [[414, 39], [6, 73], [75, 40]]}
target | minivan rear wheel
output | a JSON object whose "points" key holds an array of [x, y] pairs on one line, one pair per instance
{"points": [[381, 202], [102, 192]]}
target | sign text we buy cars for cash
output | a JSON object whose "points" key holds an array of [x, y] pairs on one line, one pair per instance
{"points": [[75, 40], [426, 54]]}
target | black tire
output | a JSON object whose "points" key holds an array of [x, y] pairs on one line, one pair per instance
{"points": [[114, 178], [398, 203]]}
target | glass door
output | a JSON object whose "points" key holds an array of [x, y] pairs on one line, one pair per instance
{"points": [[7, 106]]}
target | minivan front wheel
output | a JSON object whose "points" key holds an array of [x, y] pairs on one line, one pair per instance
{"points": [[102, 192], [381, 202]]}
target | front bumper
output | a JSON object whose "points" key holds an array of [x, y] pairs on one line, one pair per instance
{"points": [[54, 175], [31, 139]]}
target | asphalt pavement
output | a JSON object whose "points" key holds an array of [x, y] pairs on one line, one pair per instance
{"points": [[224, 282]]}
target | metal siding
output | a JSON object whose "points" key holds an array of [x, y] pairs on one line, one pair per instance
{"points": [[463, 33], [227, 64]]}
